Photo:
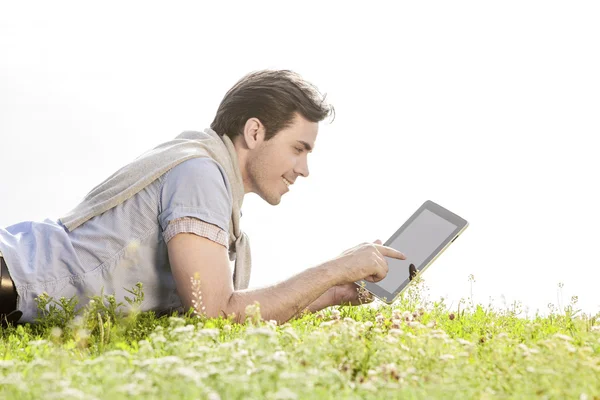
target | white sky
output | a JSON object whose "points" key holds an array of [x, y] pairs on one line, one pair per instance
{"points": [[487, 109]]}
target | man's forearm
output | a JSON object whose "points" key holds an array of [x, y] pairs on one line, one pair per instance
{"points": [[323, 301], [284, 300]]}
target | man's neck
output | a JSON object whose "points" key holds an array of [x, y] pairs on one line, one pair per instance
{"points": [[242, 156]]}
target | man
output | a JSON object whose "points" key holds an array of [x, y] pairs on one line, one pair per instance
{"points": [[173, 214]]}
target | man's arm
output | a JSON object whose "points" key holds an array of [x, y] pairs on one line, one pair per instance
{"points": [[190, 254], [323, 301], [285, 300]]}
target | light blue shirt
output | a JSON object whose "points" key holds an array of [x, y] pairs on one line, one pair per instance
{"points": [[118, 248]]}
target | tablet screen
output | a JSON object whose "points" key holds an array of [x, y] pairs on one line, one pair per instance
{"points": [[418, 241]]}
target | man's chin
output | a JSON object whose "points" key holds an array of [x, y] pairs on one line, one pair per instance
{"points": [[272, 199]]}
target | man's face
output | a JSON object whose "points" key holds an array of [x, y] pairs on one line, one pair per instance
{"points": [[281, 159]]}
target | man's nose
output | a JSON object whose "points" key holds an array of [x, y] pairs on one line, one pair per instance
{"points": [[302, 168]]}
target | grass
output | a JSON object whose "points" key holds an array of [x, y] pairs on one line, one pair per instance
{"points": [[412, 349]]}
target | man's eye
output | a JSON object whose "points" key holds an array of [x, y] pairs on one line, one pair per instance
{"points": [[299, 150]]}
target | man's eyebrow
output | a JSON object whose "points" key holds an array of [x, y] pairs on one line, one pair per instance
{"points": [[307, 146]]}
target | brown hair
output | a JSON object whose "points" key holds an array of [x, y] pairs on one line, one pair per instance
{"points": [[272, 96]]}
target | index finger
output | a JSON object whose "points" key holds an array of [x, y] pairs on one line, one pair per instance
{"points": [[389, 252]]}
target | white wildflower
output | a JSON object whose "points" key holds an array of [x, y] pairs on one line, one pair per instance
{"points": [[210, 332], [595, 328], [436, 335], [390, 368], [144, 345], [121, 353], [140, 376], [167, 360], [563, 337], [241, 353], [94, 361], [83, 333], [213, 396], [368, 385], [368, 324], [395, 332], [530, 369], [183, 329], [446, 357], [285, 394], [176, 321], [49, 376], [523, 347], [130, 254], [465, 342], [349, 320], [272, 322], [262, 331], [56, 332], [131, 389], [280, 356], [189, 373], [157, 338], [290, 331], [407, 316], [35, 343], [328, 323], [133, 245], [227, 328], [39, 362], [252, 311]]}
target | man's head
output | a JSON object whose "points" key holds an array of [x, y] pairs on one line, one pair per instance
{"points": [[272, 118]]}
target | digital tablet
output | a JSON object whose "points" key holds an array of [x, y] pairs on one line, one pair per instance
{"points": [[422, 238]]}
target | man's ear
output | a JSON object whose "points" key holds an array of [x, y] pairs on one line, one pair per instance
{"points": [[254, 133]]}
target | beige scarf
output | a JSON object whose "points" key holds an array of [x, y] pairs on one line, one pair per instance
{"points": [[135, 176]]}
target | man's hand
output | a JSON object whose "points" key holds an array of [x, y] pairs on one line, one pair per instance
{"points": [[364, 262], [346, 294], [349, 294]]}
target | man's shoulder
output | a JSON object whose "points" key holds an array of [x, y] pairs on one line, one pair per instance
{"points": [[196, 188], [200, 174], [199, 167]]}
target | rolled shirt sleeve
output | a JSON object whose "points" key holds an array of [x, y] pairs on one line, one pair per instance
{"points": [[198, 227]]}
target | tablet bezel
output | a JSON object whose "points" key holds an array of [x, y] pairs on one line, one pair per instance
{"points": [[429, 205]]}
